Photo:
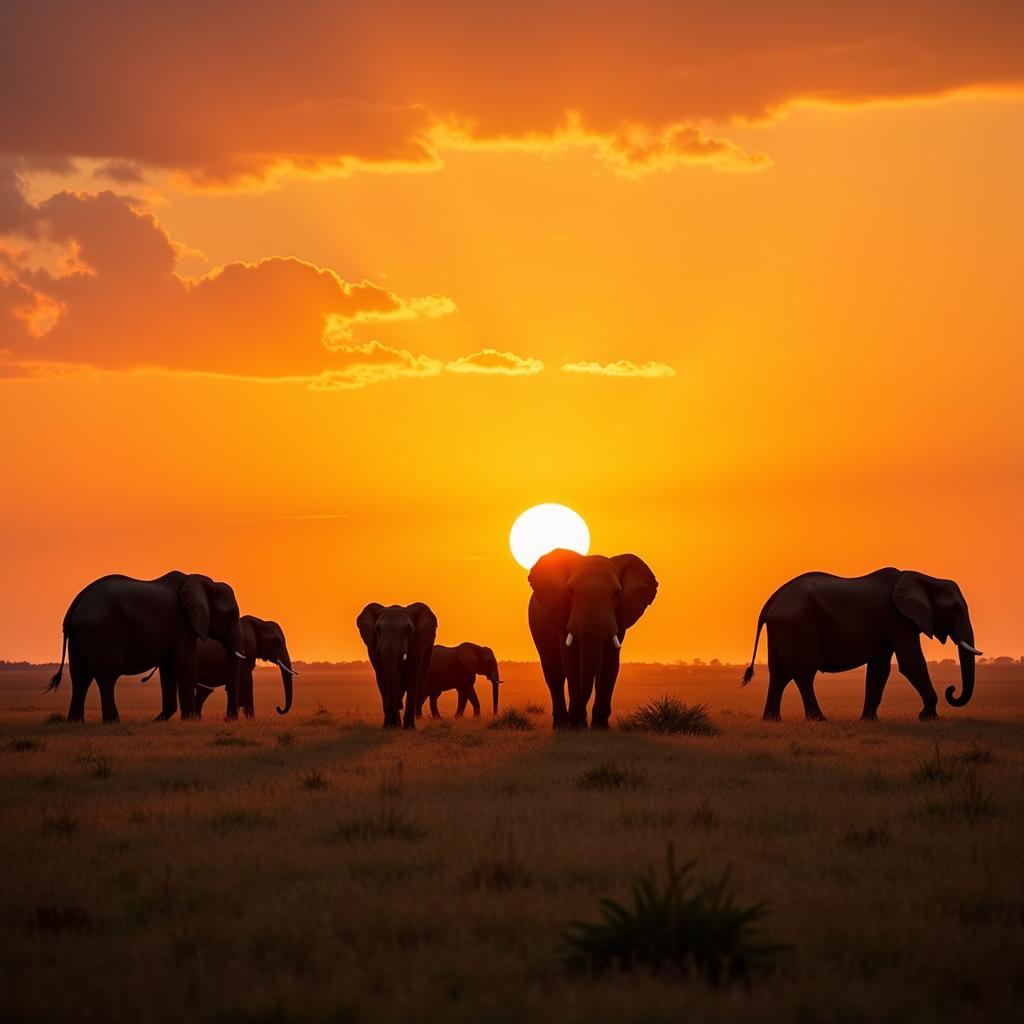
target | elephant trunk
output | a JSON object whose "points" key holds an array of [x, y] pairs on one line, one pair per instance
{"points": [[965, 648], [233, 649], [494, 690], [285, 664], [392, 696], [592, 637]]}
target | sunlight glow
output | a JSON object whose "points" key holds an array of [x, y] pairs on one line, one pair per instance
{"points": [[545, 527]]}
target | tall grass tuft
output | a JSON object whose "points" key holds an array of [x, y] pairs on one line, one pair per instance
{"points": [[511, 718], [933, 769], [670, 716], [676, 926], [608, 775]]}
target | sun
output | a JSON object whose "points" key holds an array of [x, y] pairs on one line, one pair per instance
{"points": [[545, 527]]}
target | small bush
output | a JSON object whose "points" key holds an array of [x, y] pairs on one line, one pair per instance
{"points": [[57, 919], [391, 823], [608, 776], [703, 815], [314, 782], [285, 739], [534, 709], [54, 717], [678, 926], [670, 716], [24, 745], [63, 825], [865, 838], [933, 769], [511, 718]]}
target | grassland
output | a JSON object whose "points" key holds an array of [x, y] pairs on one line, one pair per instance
{"points": [[316, 868]]}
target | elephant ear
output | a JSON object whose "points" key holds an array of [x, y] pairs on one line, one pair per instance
{"points": [[639, 588], [424, 623], [469, 657], [366, 623], [549, 578], [251, 630], [911, 597], [197, 604]]}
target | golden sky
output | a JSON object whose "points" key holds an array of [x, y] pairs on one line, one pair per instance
{"points": [[317, 298]]}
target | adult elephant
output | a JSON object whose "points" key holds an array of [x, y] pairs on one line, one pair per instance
{"points": [[579, 612], [456, 668], [122, 626], [818, 622], [262, 640], [399, 640]]}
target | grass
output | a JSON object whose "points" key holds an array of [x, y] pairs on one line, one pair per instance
{"points": [[679, 926], [933, 768], [671, 717], [435, 877]]}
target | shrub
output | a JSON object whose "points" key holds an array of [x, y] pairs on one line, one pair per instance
{"points": [[932, 769], [679, 926], [314, 782], [608, 776], [511, 718], [534, 709], [285, 739], [54, 717], [23, 745], [670, 716]]}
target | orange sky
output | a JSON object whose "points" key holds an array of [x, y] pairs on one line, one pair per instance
{"points": [[288, 296]]}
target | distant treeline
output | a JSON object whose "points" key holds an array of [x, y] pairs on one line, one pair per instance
{"points": [[697, 665]]}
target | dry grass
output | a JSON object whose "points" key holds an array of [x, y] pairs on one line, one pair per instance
{"points": [[154, 872]]}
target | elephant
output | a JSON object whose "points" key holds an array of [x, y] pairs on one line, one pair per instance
{"points": [[262, 640], [588, 601], [122, 626], [818, 622], [456, 668], [399, 640]]}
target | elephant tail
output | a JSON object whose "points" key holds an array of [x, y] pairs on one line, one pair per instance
{"points": [[748, 674], [55, 681]]}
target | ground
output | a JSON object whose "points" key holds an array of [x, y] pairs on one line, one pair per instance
{"points": [[315, 868]]}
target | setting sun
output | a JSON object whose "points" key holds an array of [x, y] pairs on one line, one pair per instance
{"points": [[545, 527]]}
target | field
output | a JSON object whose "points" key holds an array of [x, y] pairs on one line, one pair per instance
{"points": [[315, 868]]}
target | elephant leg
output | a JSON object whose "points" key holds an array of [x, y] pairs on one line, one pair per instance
{"points": [[168, 692], [604, 689], [874, 686], [434, 712], [778, 679], [471, 694], [554, 678], [81, 680], [913, 665], [461, 709], [245, 698], [805, 684], [185, 676], [409, 712], [202, 693], [106, 685]]}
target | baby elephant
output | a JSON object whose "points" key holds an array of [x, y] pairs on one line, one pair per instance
{"points": [[261, 640], [456, 668]]}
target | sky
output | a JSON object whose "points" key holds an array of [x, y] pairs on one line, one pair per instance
{"points": [[316, 298]]}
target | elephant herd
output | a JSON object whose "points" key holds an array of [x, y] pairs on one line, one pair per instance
{"points": [[188, 628]]}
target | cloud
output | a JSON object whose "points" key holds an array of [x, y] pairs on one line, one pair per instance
{"points": [[492, 361], [240, 93], [621, 368], [95, 285]]}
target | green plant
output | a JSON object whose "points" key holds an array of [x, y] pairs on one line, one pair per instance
{"points": [[511, 718], [678, 926], [608, 776], [933, 769], [314, 782], [670, 716]]}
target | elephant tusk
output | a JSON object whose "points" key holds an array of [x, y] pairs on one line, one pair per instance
{"points": [[967, 647], [568, 639], [617, 642], [281, 665], [239, 655], [405, 657]]}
